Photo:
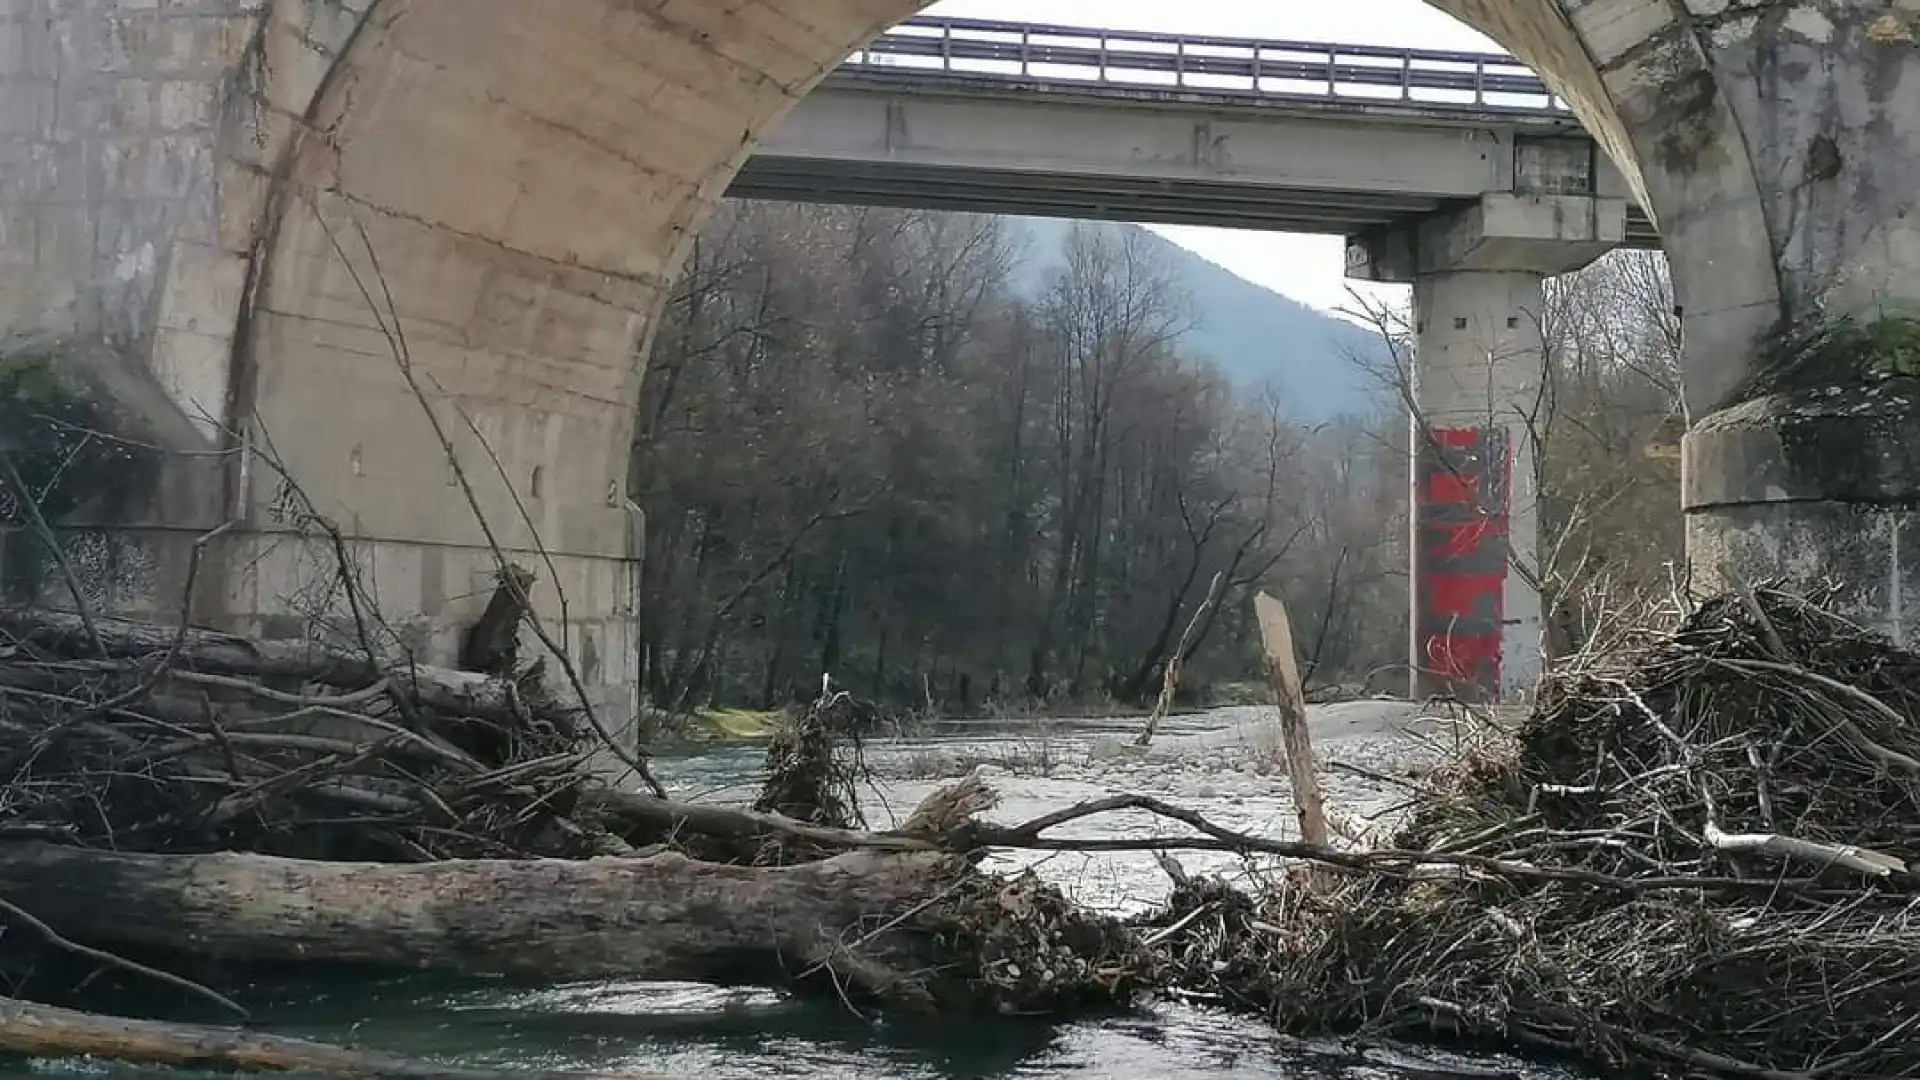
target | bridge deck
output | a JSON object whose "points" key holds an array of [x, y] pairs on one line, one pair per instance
{"points": [[993, 117]]}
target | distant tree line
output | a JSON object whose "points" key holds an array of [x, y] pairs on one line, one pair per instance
{"points": [[863, 452]]}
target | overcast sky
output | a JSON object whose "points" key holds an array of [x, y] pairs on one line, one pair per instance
{"points": [[1307, 268]]}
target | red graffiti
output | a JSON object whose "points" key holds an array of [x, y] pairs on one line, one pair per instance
{"points": [[1457, 596], [1460, 541], [1452, 489], [1462, 509]]}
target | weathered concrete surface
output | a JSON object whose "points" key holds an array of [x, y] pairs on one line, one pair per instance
{"points": [[526, 174], [529, 173]]}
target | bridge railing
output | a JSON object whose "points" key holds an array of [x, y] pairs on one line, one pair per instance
{"points": [[1280, 70]]}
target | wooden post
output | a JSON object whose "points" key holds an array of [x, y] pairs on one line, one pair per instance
{"points": [[1283, 675]]}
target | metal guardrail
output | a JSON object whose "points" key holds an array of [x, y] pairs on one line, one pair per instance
{"points": [[1037, 53]]}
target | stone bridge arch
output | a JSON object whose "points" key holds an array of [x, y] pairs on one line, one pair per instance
{"points": [[179, 183]]}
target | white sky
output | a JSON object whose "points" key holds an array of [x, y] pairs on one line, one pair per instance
{"points": [[1306, 268]]}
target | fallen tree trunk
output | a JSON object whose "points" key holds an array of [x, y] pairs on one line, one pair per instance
{"points": [[45, 1031], [664, 917], [208, 653]]}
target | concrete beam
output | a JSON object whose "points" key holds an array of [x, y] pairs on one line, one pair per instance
{"points": [[1061, 135], [1544, 234]]}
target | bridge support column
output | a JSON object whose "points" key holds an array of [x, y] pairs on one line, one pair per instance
{"points": [[1476, 618], [1776, 144]]}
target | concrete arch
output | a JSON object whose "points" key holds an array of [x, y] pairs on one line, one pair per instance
{"points": [[526, 176], [529, 173], [693, 85]]}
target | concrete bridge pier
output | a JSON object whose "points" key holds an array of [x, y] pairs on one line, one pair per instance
{"points": [[1475, 385]]}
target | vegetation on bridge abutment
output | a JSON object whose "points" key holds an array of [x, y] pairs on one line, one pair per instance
{"points": [[1811, 469], [67, 451]]}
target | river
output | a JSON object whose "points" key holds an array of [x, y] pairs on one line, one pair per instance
{"points": [[1221, 763]]}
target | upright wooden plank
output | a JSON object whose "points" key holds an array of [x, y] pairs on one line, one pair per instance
{"points": [[1283, 675]]}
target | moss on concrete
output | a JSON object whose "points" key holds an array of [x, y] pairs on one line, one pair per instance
{"points": [[61, 438], [1833, 413], [1840, 353], [1885, 347]]}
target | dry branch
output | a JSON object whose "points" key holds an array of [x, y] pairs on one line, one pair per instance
{"points": [[181, 739], [1872, 863], [202, 653], [1170, 679]]}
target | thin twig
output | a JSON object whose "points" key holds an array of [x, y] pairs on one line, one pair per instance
{"points": [[52, 937], [11, 473]]}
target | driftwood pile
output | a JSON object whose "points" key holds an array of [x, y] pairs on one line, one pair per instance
{"points": [[1699, 855], [216, 802], [134, 737]]}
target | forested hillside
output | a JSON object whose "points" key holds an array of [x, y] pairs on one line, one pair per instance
{"points": [[866, 448], [1323, 363]]}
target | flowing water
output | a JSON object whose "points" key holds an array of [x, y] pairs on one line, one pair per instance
{"points": [[1219, 763]]}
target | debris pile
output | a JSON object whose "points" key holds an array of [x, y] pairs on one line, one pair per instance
{"points": [[125, 735], [1700, 854], [808, 777], [132, 754]]}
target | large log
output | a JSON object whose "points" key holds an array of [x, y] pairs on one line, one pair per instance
{"points": [[664, 917], [46, 1031], [207, 650], [200, 652]]}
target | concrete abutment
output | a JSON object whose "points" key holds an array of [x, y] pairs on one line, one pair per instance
{"points": [[1813, 480], [185, 186]]}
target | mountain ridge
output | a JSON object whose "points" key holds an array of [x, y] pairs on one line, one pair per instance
{"points": [[1254, 335]]}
